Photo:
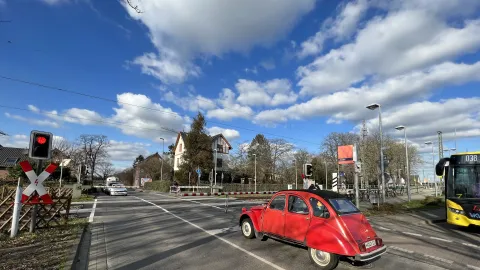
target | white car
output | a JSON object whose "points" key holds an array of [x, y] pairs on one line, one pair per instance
{"points": [[117, 189]]}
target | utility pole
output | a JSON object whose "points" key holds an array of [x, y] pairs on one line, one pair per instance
{"points": [[364, 136], [163, 152]]}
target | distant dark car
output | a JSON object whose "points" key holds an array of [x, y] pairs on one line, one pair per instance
{"points": [[326, 222]]}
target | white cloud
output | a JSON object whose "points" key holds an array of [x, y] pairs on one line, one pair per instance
{"points": [[144, 123], [270, 93], [127, 151], [82, 116], [190, 102], [33, 108], [32, 121], [411, 39], [54, 2], [229, 134], [167, 67], [338, 28], [350, 104], [230, 108], [268, 64], [424, 119], [190, 29], [251, 70], [18, 140]]}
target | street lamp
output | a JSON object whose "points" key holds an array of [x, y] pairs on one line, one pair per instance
{"points": [[382, 167], [216, 151], [433, 164], [406, 160], [255, 155], [296, 177], [163, 153], [326, 175]]}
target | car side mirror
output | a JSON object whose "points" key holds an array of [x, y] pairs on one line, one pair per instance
{"points": [[326, 215]]}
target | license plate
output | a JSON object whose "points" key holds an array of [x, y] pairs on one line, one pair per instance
{"points": [[370, 244]]}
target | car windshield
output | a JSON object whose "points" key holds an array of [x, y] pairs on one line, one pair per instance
{"points": [[344, 206], [118, 185]]}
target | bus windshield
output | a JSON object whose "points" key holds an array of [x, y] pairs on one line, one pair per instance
{"points": [[466, 181]]}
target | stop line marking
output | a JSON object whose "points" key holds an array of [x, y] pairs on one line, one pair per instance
{"points": [[214, 235]]}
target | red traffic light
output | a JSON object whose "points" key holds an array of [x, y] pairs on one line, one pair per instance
{"points": [[41, 139]]}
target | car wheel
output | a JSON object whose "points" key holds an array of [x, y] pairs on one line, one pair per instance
{"points": [[322, 259], [247, 228]]}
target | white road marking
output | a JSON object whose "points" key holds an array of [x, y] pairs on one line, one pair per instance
{"points": [[441, 239], [383, 228], [470, 245], [438, 259], [216, 236], [414, 234], [92, 214], [224, 230], [430, 214], [196, 202], [401, 249], [473, 267]]}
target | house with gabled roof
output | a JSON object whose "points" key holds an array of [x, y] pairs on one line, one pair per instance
{"points": [[220, 146], [9, 157]]}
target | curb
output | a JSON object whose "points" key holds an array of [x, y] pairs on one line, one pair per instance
{"points": [[75, 249]]}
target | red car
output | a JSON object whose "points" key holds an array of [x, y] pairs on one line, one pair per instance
{"points": [[326, 222]]}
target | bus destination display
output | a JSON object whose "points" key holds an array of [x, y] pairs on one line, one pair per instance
{"points": [[469, 159]]}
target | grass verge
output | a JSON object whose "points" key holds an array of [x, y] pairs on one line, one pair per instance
{"points": [[414, 205], [84, 198], [45, 249]]}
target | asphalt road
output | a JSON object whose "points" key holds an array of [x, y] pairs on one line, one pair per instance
{"points": [[155, 231]]}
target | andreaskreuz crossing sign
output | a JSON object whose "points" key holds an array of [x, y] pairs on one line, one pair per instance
{"points": [[36, 183]]}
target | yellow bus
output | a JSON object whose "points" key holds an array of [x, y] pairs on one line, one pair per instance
{"points": [[461, 174]]}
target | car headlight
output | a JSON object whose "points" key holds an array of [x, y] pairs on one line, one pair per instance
{"points": [[456, 211]]}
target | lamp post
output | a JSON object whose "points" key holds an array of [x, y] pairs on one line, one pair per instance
{"points": [[163, 152], [382, 167], [296, 174], [409, 195], [433, 164], [326, 175], [255, 155], [215, 183]]}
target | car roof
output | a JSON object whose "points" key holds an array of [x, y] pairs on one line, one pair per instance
{"points": [[326, 194]]}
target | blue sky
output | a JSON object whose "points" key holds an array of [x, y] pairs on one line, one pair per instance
{"points": [[298, 69]]}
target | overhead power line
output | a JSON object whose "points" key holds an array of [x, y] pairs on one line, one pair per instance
{"points": [[142, 107], [116, 123]]}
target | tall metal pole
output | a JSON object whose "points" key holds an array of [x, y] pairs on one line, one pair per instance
{"points": [[215, 166], [381, 153], [409, 195], [255, 155], [296, 174], [33, 222], [326, 175], [163, 152], [433, 164]]}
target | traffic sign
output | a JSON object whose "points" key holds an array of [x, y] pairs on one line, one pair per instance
{"points": [[36, 183], [199, 172]]}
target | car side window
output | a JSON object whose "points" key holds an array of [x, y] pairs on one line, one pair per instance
{"points": [[278, 203], [319, 209], [297, 205]]}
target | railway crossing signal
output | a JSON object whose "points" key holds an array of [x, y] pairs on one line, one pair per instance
{"points": [[40, 145]]}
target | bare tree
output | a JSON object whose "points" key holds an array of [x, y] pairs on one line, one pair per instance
{"points": [[105, 169], [94, 149], [279, 149]]}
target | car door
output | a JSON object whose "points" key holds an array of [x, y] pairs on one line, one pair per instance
{"points": [[274, 216], [297, 218]]}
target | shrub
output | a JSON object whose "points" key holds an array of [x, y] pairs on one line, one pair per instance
{"points": [[161, 185]]}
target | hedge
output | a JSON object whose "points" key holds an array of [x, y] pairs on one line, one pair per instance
{"points": [[161, 185]]}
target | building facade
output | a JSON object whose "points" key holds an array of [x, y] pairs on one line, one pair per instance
{"points": [[220, 148]]}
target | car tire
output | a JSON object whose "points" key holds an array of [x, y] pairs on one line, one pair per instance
{"points": [[322, 259], [247, 228]]}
